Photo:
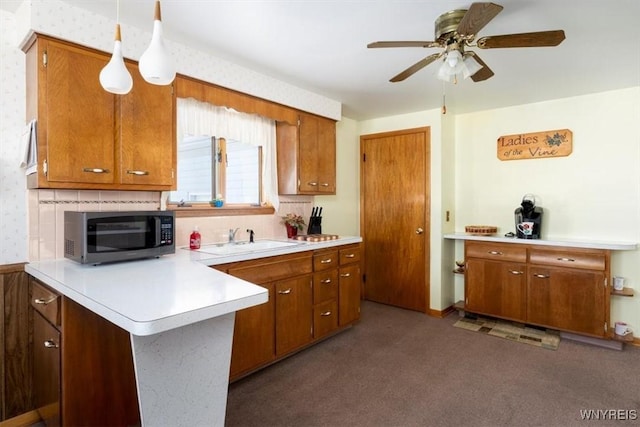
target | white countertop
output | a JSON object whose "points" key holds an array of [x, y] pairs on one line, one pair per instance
{"points": [[150, 296], [591, 244]]}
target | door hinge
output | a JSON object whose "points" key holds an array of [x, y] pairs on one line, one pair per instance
{"points": [[466, 301], [44, 58], [606, 282], [364, 157], [45, 167], [606, 327]]}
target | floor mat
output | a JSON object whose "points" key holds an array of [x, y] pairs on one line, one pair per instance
{"points": [[511, 331]]}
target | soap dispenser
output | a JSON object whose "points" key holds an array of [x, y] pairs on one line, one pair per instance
{"points": [[194, 239]]}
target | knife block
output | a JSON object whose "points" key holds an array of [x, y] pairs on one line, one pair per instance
{"points": [[315, 225]]}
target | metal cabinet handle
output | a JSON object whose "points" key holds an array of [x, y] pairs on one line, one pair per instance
{"points": [[516, 272], [542, 276], [95, 170], [325, 261], [43, 301], [345, 275], [350, 256], [313, 184], [325, 184], [139, 173], [494, 253], [325, 281], [566, 259], [285, 292], [419, 231], [50, 344], [326, 313]]}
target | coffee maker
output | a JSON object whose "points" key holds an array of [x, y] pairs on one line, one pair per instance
{"points": [[528, 218]]}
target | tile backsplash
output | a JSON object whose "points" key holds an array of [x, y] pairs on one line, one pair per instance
{"points": [[47, 207]]}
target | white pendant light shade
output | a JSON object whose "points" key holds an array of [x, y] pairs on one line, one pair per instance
{"points": [[155, 64], [115, 77]]}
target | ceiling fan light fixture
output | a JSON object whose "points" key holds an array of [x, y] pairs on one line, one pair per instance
{"points": [[471, 66], [155, 64], [115, 77]]}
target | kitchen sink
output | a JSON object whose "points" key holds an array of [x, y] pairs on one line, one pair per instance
{"points": [[244, 247]]}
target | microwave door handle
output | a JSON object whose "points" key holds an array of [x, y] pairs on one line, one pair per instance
{"points": [[157, 223]]}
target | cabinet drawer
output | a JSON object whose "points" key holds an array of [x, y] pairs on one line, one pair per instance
{"points": [[349, 255], [325, 318], [325, 260], [325, 286], [496, 251], [274, 269], [571, 259], [46, 302]]}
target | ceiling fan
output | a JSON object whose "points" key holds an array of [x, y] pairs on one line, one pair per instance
{"points": [[455, 31]]}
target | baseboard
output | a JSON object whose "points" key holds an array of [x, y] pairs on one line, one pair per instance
{"points": [[441, 313], [25, 420]]}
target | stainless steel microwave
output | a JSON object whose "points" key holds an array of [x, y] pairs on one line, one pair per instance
{"points": [[99, 237]]}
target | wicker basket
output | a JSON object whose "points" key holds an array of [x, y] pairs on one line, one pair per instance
{"points": [[481, 230]]}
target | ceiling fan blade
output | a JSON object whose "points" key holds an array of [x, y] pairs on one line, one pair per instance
{"points": [[483, 73], [537, 39], [478, 15], [404, 44], [416, 67]]}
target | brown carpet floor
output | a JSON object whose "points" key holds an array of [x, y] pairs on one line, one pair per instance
{"points": [[402, 368]]}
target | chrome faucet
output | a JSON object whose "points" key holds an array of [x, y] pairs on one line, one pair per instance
{"points": [[232, 235]]}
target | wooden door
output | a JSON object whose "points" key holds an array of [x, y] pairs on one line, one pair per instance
{"points": [[567, 299], [294, 313], [254, 336], [394, 206], [147, 132], [496, 288], [79, 118], [46, 370]]}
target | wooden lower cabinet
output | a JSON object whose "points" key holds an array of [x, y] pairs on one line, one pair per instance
{"points": [[83, 368], [557, 287], [254, 342], [496, 288], [312, 294], [567, 299], [293, 314]]}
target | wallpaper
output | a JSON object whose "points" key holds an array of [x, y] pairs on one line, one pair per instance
{"points": [[13, 205]]}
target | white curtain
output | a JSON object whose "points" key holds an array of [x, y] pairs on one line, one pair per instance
{"points": [[197, 118]]}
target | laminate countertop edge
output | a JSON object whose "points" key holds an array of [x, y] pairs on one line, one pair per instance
{"points": [[586, 244]]}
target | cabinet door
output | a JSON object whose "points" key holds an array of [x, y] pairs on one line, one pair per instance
{"points": [[147, 135], [325, 318], [349, 294], [567, 299], [254, 336], [77, 116], [46, 370], [293, 313], [326, 165], [496, 288]]}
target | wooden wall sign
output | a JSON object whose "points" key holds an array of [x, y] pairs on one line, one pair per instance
{"points": [[551, 143]]}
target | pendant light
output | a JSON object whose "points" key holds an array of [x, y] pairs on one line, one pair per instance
{"points": [[155, 64], [115, 77]]}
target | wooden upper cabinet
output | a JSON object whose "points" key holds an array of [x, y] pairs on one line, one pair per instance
{"points": [[306, 156], [147, 149], [89, 138]]}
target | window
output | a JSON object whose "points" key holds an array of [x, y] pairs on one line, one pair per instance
{"points": [[238, 163], [210, 167]]}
